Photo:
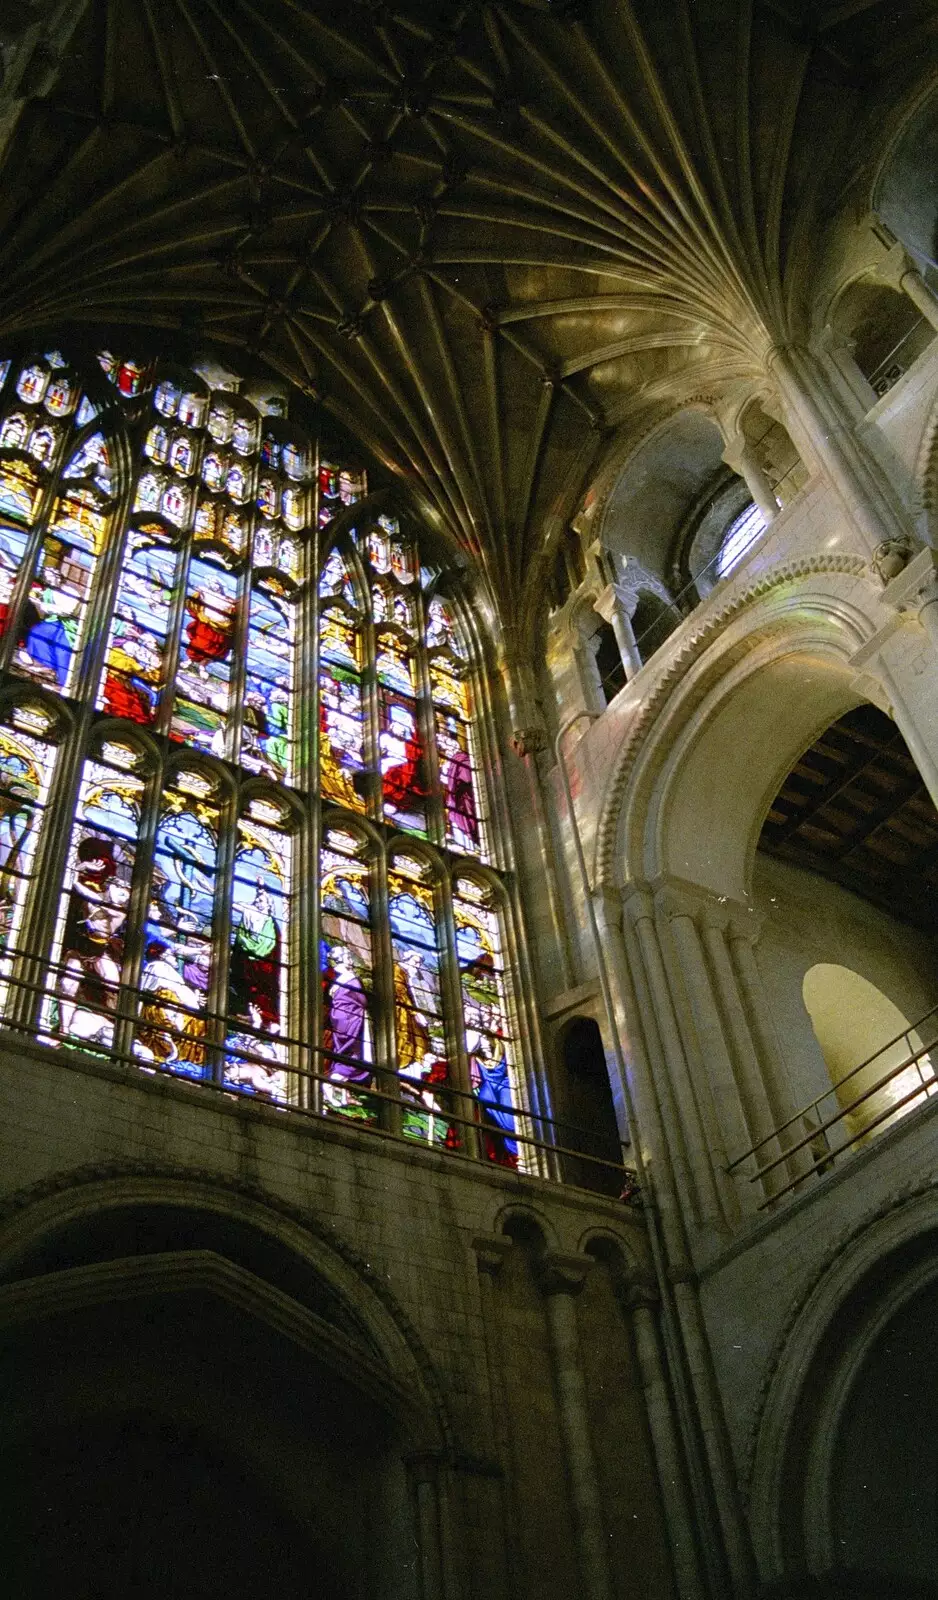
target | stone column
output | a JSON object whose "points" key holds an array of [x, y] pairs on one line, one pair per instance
{"points": [[424, 1470], [853, 472], [922, 297], [641, 912], [642, 1304], [749, 1075], [664, 1164], [729, 1135], [740, 455], [617, 605], [561, 1279], [782, 1102], [491, 1252]]}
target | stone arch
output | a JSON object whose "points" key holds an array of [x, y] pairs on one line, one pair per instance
{"points": [[870, 1283], [725, 692], [33, 1219]]}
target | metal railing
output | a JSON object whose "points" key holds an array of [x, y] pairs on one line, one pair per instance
{"points": [[152, 1034], [848, 1114], [894, 366]]}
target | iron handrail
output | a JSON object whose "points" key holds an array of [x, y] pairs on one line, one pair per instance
{"points": [[406, 1094], [812, 1105]]}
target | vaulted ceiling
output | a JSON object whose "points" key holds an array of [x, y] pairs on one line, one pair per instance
{"points": [[482, 236]]}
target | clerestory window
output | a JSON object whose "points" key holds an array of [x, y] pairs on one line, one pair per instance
{"points": [[246, 812]]}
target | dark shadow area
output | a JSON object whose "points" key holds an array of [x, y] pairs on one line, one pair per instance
{"points": [[589, 1110]]}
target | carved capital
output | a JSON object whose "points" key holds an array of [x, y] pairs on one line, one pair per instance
{"points": [[642, 1293], [745, 926], [913, 586], [529, 741], [891, 557], [671, 903], [616, 598], [491, 1252], [638, 904], [560, 1273]]}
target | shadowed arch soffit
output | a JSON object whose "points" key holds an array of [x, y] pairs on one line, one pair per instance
{"points": [[480, 234]]}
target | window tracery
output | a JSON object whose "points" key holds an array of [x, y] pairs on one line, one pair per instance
{"points": [[243, 665]]}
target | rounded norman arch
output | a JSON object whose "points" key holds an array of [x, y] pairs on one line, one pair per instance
{"points": [[842, 1489], [724, 726]]}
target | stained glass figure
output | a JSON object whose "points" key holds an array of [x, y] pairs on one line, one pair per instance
{"points": [[458, 771], [485, 1017], [338, 487], [91, 934], [401, 752], [178, 947], [267, 722], [27, 761], [259, 965], [51, 622], [135, 664], [200, 602], [341, 708], [419, 1030], [12, 553], [128, 376], [203, 679], [346, 966]]}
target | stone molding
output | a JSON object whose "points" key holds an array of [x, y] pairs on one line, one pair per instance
{"points": [[560, 1272], [113, 1177], [693, 648], [180, 1271], [491, 1252], [917, 1199]]}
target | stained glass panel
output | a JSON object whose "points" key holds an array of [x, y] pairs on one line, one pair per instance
{"points": [[178, 955], [267, 731], [50, 625], [485, 1018], [27, 760], [338, 487], [203, 679], [346, 966], [419, 1029], [259, 968], [90, 941], [341, 712], [135, 665]]}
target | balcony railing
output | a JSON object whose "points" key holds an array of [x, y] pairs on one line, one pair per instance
{"points": [[872, 1097], [210, 1050]]}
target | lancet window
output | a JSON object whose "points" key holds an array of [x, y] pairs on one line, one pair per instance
{"points": [[242, 745]]}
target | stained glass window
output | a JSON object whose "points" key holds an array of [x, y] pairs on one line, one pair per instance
{"points": [[214, 648]]}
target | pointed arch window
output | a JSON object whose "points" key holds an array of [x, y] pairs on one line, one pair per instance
{"points": [[209, 658]]}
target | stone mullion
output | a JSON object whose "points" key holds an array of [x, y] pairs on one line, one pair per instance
{"points": [[306, 777]]}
